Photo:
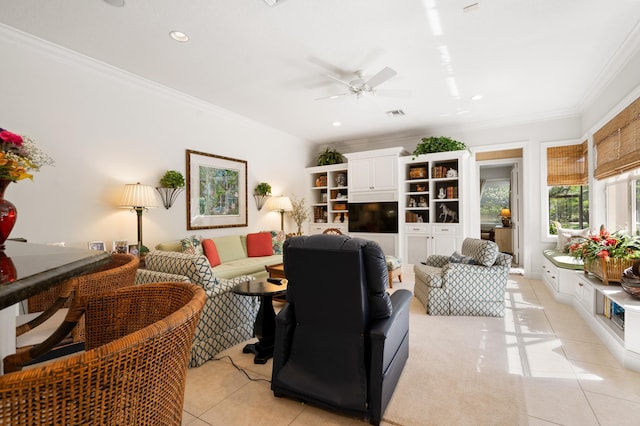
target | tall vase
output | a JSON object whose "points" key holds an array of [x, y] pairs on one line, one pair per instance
{"points": [[8, 214]]}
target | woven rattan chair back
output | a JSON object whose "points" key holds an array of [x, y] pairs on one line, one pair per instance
{"points": [[332, 231], [134, 369], [119, 272]]}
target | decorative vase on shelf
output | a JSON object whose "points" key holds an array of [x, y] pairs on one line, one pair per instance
{"points": [[8, 214]]}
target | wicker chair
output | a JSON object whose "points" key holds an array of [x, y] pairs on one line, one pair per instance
{"points": [[134, 369], [332, 231], [119, 272]]}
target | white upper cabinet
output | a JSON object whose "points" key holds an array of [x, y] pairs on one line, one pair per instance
{"points": [[373, 175]]}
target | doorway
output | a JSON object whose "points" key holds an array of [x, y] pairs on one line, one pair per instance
{"points": [[499, 204]]}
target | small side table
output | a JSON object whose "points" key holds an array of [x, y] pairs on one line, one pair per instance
{"points": [[264, 328]]}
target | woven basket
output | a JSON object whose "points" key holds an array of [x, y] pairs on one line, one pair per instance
{"points": [[610, 271]]}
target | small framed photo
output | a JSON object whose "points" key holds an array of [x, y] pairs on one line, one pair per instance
{"points": [[120, 247], [96, 245], [133, 249]]}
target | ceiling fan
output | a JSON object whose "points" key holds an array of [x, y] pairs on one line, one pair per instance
{"points": [[359, 87]]}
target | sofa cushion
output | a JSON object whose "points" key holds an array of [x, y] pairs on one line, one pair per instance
{"points": [[566, 236], [229, 248], [170, 246], [458, 258], [210, 250], [191, 245], [259, 244], [246, 266], [277, 240], [195, 267], [483, 252]]}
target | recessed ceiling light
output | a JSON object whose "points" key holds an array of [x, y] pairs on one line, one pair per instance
{"points": [[336, 124], [179, 36], [476, 97], [116, 3]]}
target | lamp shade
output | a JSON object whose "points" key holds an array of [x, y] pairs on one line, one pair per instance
{"points": [[505, 212], [137, 195], [279, 204]]}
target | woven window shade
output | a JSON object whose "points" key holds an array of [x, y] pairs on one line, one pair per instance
{"points": [[617, 143], [567, 165]]}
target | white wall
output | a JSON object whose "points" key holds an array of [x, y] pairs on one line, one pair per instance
{"points": [[106, 128]]}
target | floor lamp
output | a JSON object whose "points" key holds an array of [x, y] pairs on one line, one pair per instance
{"points": [[280, 204], [138, 198]]}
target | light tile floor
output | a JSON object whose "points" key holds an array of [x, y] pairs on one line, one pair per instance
{"points": [[568, 376]]}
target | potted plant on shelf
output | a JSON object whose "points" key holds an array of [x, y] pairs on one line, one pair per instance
{"points": [[437, 144], [171, 184], [605, 254], [329, 156], [261, 192]]}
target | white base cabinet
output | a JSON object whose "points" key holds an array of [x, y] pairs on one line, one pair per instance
{"points": [[559, 280], [602, 307], [423, 239]]}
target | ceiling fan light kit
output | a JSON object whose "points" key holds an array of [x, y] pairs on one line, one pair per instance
{"points": [[361, 87]]}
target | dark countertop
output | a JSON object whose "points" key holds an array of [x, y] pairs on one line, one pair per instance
{"points": [[27, 269]]}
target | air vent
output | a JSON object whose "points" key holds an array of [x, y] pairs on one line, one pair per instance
{"points": [[395, 113], [471, 8], [271, 2]]}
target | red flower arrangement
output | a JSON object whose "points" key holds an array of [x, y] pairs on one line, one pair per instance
{"points": [[606, 245], [18, 156]]}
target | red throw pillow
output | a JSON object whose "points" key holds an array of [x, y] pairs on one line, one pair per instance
{"points": [[259, 244], [211, 251]]}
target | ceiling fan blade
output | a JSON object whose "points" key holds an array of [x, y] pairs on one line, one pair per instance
{"points": [[394, 93], [333, 96], [344, 83], [381, 77]]}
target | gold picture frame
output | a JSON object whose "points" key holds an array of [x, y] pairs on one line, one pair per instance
{"points": [[216, 191]]}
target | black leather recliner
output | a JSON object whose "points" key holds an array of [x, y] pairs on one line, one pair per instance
{"points": [[341, 340]]}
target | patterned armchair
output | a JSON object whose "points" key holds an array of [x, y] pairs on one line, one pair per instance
{"points": [[471, 284], [227, 318]]}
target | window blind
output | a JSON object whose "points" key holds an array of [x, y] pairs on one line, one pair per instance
{"points": [[617, 144], [567, 165]]}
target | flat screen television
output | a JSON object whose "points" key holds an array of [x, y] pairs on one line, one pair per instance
{"points": [[378, 217]]}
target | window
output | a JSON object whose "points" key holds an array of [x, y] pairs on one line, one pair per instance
{"points": [[568, 193], [494, 197], [569, 205]]}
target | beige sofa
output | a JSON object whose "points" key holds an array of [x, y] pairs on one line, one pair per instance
{"points": [[232, 250]]}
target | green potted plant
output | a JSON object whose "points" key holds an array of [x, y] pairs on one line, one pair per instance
{"points": [[263, 188], [329, 156], [171, 184], [172, 179], [437, 144], [261, 192]]}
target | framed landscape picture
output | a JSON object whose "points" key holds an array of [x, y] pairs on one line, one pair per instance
{"points": [[216, 191]]}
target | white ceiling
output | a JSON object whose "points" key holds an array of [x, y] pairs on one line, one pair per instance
{"points": [[530, 59]]}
